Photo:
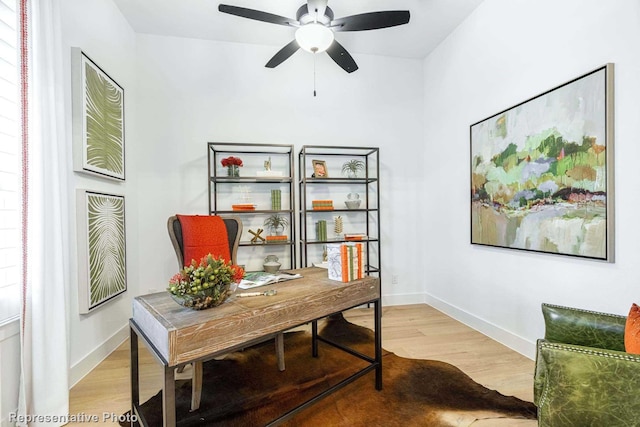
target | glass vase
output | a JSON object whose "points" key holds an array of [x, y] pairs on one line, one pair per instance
{"points": [[233, 170]]}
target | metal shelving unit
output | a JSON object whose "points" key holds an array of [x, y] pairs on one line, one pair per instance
{"points": [[248, 188], [365, 219]]}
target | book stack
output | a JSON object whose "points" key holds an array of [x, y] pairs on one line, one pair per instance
{"points": [[322, 205], [354, 236], [321, 230], [345, 261], [244, 207], [276, 200], [277, 239]]}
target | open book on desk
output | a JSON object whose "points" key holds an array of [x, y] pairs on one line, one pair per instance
{"points": [[261, 278]]}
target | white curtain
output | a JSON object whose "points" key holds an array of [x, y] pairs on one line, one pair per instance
{"points": [[44, 386]]}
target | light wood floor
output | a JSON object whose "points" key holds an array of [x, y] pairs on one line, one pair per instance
{"points": [[416, 331]]}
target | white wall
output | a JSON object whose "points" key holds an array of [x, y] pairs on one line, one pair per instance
{"points": [[191, 92], [506, 52], [100, 30], [182, 93]]}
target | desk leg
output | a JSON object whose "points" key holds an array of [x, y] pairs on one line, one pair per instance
{"points": [[169, 397], [377, 312], [314, 338], [135, 378]]}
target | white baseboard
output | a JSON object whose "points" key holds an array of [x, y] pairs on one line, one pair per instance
{"points": [[404, 299], [93, 359], [514, 342]]}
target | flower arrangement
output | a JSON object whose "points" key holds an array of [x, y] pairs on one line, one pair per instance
{"points": [[233, 165], [232, 161], [205, 284]]}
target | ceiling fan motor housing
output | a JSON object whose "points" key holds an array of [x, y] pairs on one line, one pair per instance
{"points": [[304, 16]]}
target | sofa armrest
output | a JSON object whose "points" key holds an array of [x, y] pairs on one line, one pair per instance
{"points": [[583, 327], [581, 386]]}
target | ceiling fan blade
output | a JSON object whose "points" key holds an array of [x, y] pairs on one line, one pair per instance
{"points": [[257, 15], [283, 54], [341, 57], [371, 20], [320, 5]]}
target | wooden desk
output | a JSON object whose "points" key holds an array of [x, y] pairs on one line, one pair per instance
{"points": [[177, 335]]}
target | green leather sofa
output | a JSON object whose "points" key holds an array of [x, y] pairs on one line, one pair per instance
{"points": [[583, 377]]}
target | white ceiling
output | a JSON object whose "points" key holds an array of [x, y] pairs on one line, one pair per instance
{"points": [[431, 22]]}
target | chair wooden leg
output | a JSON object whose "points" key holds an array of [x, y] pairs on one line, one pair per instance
{"points": [[196, 380], [280, 351], [196, 385]]}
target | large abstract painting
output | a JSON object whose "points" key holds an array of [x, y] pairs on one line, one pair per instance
{"points": [[98, 120], [542, 172], [101, 248]]}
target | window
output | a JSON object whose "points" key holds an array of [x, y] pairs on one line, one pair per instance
{"points": [[10, 164]]}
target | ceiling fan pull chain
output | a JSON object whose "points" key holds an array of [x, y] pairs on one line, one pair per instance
{"points": [[314, 74]]}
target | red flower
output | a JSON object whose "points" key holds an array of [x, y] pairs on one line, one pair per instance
{"points": [[238, 273], [231, 161]]}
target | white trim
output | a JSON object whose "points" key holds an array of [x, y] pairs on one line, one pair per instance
{"points": [[403, 299], [9, 328], [93, 359], [504, 337]]}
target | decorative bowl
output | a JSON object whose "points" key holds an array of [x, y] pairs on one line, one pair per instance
{"points": [[352, 204], [206, 298]]}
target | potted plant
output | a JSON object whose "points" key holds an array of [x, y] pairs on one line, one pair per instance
{"points": [[205, 284], [276, 223], [352, 167]]}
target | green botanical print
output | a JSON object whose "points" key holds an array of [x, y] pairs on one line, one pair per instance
{"points": [[104, 110], [107, 273]]}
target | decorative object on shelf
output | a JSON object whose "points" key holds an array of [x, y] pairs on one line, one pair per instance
{"points": [[243, 195], [321, 230], [319, 169], [277, 239], [233, 165], [542, 172], [276, 223], [324, 253], [276, 200], [244, 207], [353, 201], [345, 261], [337, 225], [354, 236], [98, 120], [256, 235], [267, 172], [271, 264], [102, 272], [205, 284], [322, 205], [352, 168]]}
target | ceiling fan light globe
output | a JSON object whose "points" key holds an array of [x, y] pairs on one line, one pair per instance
{"points": [[314, 37]]}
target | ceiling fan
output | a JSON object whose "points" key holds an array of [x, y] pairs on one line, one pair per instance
{"points": [[315, 25]]}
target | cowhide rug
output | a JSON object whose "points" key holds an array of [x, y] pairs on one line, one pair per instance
{"points": [[246, 388]]}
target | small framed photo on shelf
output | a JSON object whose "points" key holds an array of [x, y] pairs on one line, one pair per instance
{"points": [[319, 169]]}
